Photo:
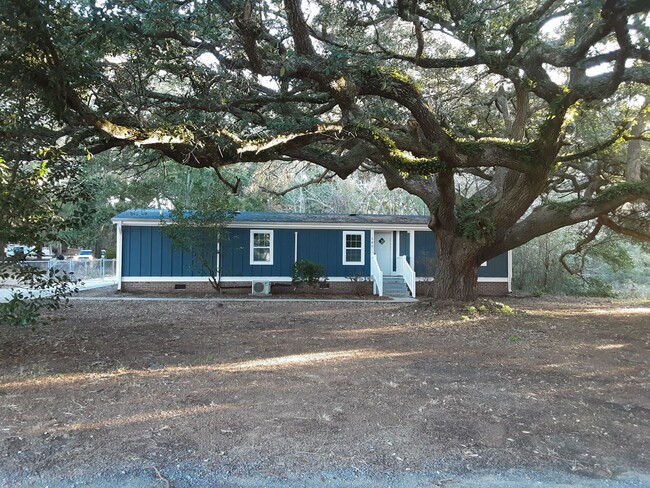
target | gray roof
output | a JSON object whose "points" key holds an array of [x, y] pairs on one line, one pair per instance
{"points": [[260, 217]]}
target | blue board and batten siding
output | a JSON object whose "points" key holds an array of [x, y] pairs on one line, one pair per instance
{"points": [[425, 247], [325, 247], [320, 246], [237, 254], [405, 245], [495, 268], [147, 252]]}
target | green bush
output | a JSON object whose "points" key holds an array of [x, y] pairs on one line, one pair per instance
{"points": [[36, 290], [595, 287], [503, 309], [307, 272]]}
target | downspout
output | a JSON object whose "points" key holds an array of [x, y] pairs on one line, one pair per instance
{"points": [[295, 246]]}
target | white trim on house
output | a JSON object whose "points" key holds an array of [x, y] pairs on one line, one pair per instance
{"points": [[480, 279], [224, 279], [118, 257], [160, 279], [393, 259], [361, 233], [218, 266], [510, 271], [252, 247], [291, 225], [295, 247], [278, 279]]}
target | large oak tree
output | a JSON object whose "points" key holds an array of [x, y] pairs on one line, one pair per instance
{"points": [[506, 118]]}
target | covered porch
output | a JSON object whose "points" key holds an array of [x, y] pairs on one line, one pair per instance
{"points": [[392, 254]]}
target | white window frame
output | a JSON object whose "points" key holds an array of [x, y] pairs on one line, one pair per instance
{"points": [[252, 250], [363, 248]]}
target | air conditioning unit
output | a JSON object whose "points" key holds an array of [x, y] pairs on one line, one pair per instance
{"points": [[261, 288]]}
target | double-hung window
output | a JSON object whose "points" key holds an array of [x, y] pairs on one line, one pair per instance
{"points": [[261, 247], [353, 248]]}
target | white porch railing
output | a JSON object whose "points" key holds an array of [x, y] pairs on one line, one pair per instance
{"points": [[377, 276], [404, 269]]}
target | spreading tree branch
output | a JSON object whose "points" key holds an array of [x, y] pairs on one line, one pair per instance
{"points": [[324, 176], [619, 229], [578, 249]]}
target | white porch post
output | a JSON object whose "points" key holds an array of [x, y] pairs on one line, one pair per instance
{"points": [[118, 257], [219, 257], [393, 235], [295, 246], [510, 271], [372, 252]]}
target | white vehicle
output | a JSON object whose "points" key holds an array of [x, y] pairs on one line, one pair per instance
{"points": [[46, 253], [13, 249], [84, 255]]}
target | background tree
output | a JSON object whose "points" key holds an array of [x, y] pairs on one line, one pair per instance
{"points": [[303, 187], [38, 199], [198, 226], [604, 266], [502, 117]]}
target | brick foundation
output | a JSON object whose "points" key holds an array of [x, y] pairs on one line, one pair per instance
{"points": [[333, 288], [485, 289], [244, 288], [493, 289]]}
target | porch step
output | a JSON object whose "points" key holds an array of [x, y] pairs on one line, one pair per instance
{"points": [[395, 287]]}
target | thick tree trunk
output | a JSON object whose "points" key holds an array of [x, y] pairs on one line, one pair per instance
{"points": [[456, 270], [633, 168]]}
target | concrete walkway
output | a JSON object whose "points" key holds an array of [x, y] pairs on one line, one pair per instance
{"points": [[6, 293]]}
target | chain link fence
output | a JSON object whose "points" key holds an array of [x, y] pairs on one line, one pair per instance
{"points": [[83, 269]]}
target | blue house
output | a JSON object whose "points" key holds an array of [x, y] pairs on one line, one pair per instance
{"points": [[388, 254]]}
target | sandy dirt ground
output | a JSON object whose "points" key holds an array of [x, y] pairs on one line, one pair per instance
{"points": [[184, 394]]}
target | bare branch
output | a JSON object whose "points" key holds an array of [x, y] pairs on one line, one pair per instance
{"points": [[578, 249], [324, 176], [605, 220], [234, 187], [592, 150]]}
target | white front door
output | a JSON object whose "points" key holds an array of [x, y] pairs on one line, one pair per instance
{"points": [[384, 251]]}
